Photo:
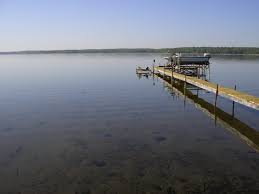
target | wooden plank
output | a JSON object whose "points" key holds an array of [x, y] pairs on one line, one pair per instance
{"points": [[234, 95]]}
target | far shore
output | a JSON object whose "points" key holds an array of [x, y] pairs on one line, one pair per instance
{"points": [[216, 51]]}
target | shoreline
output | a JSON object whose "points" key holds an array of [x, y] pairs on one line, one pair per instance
{"points": [[215, 51], [70, 53]]}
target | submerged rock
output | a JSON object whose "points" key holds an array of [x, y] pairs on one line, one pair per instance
{"points": [[160, 138], [18, 149], [170, 190], [99, 163], [8, 129], [107, 135]]}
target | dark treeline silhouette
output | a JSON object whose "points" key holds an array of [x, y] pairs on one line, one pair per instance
{"points": [[211, 50], [217, 50]]}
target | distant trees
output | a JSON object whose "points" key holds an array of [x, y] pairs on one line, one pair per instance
{"points": [[211, 50], [216, 50]]}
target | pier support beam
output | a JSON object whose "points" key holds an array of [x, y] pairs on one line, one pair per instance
{"points": [[233, 105], [216, 95], [164, 71], [185, 83], [172, 77], [154, 62], [215, 104]]}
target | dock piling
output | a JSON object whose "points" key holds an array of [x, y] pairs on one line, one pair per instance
{"points": [[215, 105], [185, 81], [216, 95], [185, 90], [154, 61], [164, 70], [233, 105]]}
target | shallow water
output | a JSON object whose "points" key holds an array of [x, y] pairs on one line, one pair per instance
{"points": [[85, 123]]}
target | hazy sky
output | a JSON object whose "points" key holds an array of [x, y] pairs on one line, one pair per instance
{"points": [[78, 24]]}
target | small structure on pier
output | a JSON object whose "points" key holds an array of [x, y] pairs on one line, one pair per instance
{"points": [[189, 63]]}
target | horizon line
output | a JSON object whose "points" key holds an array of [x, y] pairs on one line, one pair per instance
{"points": [[107, 49]]}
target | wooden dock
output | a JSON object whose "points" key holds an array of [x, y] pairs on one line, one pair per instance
{"points": [[231, 94]]}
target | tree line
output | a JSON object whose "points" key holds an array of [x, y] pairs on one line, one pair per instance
{"points": [[216, 50], [211, 50]]}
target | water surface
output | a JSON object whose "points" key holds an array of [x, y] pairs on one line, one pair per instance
{"points": [[85, 123]]}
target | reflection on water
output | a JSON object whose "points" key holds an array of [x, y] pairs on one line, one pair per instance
{"points": [[86, 124], [245, 132]]}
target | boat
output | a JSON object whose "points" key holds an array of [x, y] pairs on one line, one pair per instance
{"points": [[189, 58], [145, 71]]}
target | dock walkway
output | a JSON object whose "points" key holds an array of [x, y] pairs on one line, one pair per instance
{"points": [[234, 95]]}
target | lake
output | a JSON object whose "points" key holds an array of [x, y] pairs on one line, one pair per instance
{"points": [[85, 123]]}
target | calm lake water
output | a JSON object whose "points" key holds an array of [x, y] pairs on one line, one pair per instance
{"points": [[85, 123]]}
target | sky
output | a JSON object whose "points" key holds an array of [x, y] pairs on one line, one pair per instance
{"points": [[100, 24]]}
